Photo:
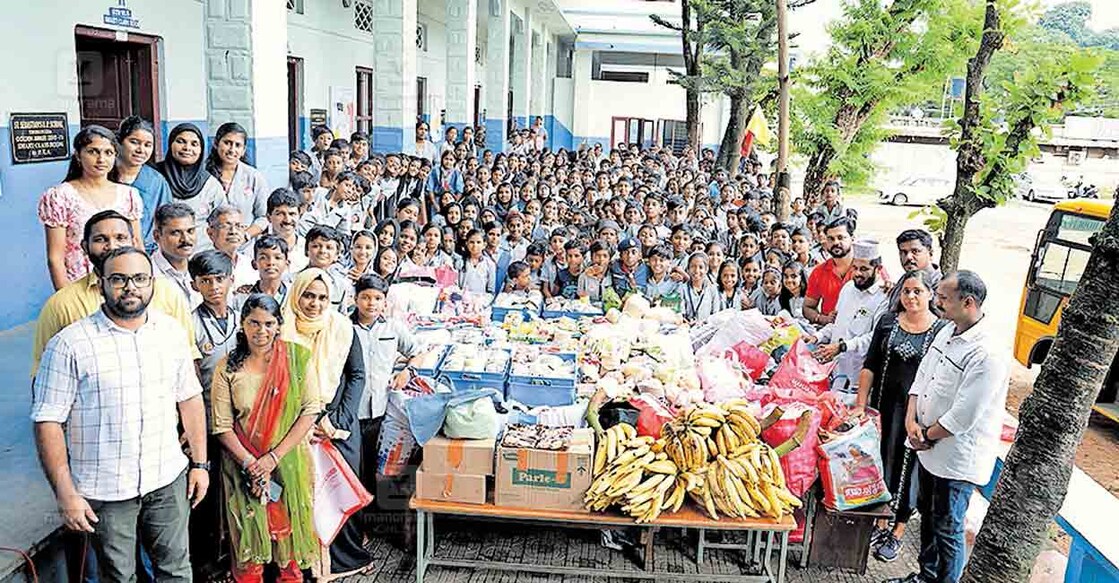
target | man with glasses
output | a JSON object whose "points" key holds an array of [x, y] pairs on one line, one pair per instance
{"points": [[104, 232], [106, 403]]}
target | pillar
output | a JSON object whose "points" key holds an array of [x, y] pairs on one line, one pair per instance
{"points": [[246, 50], [522, 66], [394, 90], [581, 125], [462, 42], [497, 73], [537, 71]]}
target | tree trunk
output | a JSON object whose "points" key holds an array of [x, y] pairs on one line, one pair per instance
{"points": [[730, 147], [1053, 417], [692, 101], [964, 201], [817, 173]]}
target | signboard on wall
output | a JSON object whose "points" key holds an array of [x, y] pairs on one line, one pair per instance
{"points": [[39, 137], [343, 111], [318, 117], [120, 15]]}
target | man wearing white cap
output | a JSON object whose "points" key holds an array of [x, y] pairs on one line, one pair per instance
{"points": [[861, 302]]}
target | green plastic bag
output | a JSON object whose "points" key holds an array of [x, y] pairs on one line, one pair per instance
{"points": [[475, 419]]}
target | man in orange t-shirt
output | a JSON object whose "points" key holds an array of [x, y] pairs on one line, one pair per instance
{"points": [[828, 278]]}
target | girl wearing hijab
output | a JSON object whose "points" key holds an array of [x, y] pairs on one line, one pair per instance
{"points": [[190, 184], [336, 370], [244, 186], [137, 138], [86, 191]]}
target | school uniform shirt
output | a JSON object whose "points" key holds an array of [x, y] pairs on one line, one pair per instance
{"points": [[698, 304], [341, 288], [516, 250], [856, 313], [440, 259], [215, 337], [501, 261], [665, 292], [833, 213], [769, 306], [342, 216], [280, 296], [734, 302], [426, 150], [594, 287], [181, 279], [480, 277], [961, 383], [551, 268], [797, 221], [382, 343], [627, 281], [209, 198], [248, 192], [243, 272], [316, 164], [441, 181]]}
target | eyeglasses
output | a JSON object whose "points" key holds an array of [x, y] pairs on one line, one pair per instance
{"points": [[140, 280]]}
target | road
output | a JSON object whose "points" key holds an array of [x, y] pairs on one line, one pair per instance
{"points": [[997, 247]]}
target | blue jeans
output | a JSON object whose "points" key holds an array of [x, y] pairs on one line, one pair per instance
{"points": [[942, 503]]}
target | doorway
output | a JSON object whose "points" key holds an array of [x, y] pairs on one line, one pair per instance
{"points": [[118, 76], [477, 105], [632, 130], [295, 102]]}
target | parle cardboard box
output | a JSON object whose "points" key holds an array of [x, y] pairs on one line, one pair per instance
{"points": [[443, 455], [453, 487], [552, 480]]}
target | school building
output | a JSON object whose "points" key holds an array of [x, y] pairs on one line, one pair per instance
{"points": [[597, 71]]}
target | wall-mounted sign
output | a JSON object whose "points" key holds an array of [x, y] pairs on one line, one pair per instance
{"points": [[120, 15], [318, 117], [39, 137]]}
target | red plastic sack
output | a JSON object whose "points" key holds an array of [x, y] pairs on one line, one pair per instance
{"points": [[754, 361], [445, 276], [799, 465], [800, 370], [338, 491], [833, 412], [651, 415], [851, 469]]}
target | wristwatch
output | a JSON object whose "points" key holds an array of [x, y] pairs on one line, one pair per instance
{"points": [[842, 346], [925, 435], [200, 466]]}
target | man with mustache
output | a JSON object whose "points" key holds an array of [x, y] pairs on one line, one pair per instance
{"points": [[861, 301], [104, 232], [130, 369], [915, 247], [174, 234], [828, 278]]}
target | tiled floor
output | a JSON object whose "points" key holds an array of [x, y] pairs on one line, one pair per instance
{"points": [[580, 548]]}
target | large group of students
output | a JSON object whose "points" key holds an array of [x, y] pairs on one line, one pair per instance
{"points": [[280, 291]]}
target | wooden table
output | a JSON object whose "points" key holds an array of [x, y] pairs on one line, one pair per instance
{"points": [[687, 517]]}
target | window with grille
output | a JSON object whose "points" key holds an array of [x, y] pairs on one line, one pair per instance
{"points": [[421, 37], [295, 6], [363, 16], [674, 135], [364, 92]]}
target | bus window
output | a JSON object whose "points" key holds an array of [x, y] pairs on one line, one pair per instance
{"points": [[1061, 267], [1077, 228]]}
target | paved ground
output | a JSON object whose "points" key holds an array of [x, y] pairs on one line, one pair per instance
{"points": [[675, 553]]}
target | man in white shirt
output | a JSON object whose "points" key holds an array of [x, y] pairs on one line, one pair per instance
{"points": [[954, 419], [106, 403], [861, 302], [175, 236]]}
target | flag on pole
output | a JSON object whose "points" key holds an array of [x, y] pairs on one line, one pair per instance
{"points": [[757, 130]]}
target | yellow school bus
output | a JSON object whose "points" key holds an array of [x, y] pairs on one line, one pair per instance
{"points": [[1059, 258]]}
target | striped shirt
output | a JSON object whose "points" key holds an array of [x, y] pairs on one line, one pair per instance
{"points": [[117, 391]]}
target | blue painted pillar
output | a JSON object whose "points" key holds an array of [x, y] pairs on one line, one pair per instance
{"points": [[497, 74], [394, 89], [462, 43]]}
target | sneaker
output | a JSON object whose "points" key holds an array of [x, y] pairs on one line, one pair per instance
{"points": [[609, 539], [887, 551], [910, 578], [876, 537]]}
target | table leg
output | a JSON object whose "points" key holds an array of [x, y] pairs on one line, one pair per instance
{"points": [[649, 535], [784, 556], [430, 534], [700, 540], [421, 543], [768, 549]]}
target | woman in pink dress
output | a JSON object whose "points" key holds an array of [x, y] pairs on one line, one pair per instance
{"points": [[86, 190]]}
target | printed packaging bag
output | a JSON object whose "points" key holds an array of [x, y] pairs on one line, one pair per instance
{"points": [[851, 469]]}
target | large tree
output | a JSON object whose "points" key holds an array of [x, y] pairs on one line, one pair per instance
{"points": [[693, 18], [1052, 419], [995, 138], [881, 56]]}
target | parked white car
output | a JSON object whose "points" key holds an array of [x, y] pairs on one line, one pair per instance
{"points": [[916, 190]]}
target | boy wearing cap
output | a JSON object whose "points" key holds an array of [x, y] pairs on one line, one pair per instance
{"points": [[861, 302], [629, 273]]}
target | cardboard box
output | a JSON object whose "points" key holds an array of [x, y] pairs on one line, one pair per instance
{"points": [[443, 455], [552, 480], [454, 487]]}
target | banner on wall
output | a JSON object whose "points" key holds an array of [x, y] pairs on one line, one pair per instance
{"points": [[343, 111]]}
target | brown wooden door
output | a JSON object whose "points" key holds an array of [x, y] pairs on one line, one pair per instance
{"points": [[295, 101], [364, 117], [117, 77]]}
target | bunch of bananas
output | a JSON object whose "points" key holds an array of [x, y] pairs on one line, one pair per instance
{"points": [[634, 474], [704, 432], [748, 484]]}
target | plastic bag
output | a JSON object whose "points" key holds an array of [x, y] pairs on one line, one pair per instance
{"points": [[338, 491], [720, 380], [445, 276], [732, 327], [616, 412], [851, 469], [800, 370], [476, 419], [397, 445], [651, 415], [799, 465], [783, 337], [754, 361]]}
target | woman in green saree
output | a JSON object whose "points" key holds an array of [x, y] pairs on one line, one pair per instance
{"points": [[262, 413]]}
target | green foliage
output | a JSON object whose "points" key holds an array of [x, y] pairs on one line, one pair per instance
{"points": [[740, 34], [1070, 18], [933, 217], [880, 57]]}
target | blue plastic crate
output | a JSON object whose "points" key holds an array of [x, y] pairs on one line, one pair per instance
{"points": [[540, 395], [550, 381], [465, 381], [431, 372], [497, 314], [556, 314]]}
